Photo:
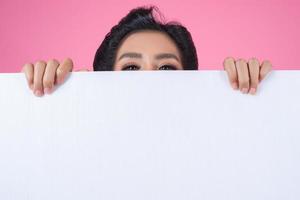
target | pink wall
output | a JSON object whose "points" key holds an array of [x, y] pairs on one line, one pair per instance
{"points": [[36, 29]]}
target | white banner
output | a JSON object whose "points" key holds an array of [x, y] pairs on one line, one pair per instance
{"points": [[150, 136]]}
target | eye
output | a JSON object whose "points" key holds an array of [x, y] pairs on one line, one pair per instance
{"points": [[167, 67], [130, 67]]}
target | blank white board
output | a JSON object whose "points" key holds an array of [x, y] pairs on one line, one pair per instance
{"points": [[151, 136]]}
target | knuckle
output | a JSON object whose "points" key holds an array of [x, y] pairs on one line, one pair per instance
{"points": [[70, 64], [242, 68], [26, 68], [68, 59], [267, 63], [40, 62], [228, 59], [241, 61], [52, 62], [26, 65], [253, 61]]}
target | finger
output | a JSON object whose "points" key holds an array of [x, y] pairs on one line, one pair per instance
{"points": [[243, 75], [49, 75], [82, 70], [39, 69], [266, 67], [253, 65], [64, 68], [229, 67], [28, 70]]}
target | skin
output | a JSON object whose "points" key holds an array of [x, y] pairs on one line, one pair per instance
{"points": [[146, 50]]}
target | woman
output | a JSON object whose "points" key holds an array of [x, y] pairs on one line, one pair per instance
{"points": [[141, 42]]}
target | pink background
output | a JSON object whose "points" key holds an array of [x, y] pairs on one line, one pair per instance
{"points": [[36, 29]]}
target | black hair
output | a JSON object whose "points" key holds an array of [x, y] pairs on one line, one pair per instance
{"points": [[142, 18]]}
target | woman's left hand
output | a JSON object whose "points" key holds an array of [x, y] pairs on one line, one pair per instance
{"points": [[244, 75]]}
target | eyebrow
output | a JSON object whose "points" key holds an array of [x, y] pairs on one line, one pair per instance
{"points": [[166, 55], [158, 57], [131, 55]]}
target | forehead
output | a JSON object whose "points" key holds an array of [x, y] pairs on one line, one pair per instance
{"points": [[148, 41]]}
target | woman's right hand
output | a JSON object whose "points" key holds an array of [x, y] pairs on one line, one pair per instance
{"points": [[43, 76]]}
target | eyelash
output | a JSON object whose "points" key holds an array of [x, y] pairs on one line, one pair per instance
{"points": [[130, 66], [171, 67]]}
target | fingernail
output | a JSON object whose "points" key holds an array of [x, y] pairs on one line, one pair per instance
{"points": [[47, 90], [244, 90], [234, 86], [38, 93], [252, 90]]}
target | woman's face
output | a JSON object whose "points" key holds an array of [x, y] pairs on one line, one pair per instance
{"points": [[148, 50]]}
